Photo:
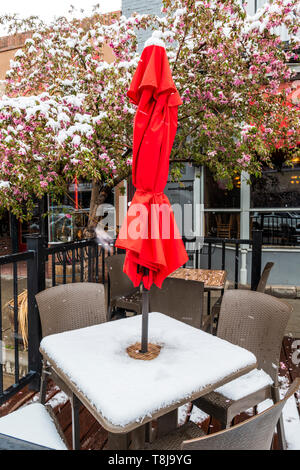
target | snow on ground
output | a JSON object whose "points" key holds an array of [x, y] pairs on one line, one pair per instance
{"points": [[291, 418], [59, 398], [32, 423], [197, 415], [291, 421]]}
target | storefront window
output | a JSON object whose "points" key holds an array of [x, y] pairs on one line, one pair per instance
{"points": [[222, 224], [61, 223], [217, 196], [181, 197], [277, 189], [68, 219], [279, 228]]}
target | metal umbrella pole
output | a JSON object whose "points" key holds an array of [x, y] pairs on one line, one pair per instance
{"points": [[145, 312], [145, 316]]}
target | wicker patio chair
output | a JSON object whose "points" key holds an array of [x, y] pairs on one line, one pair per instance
{"points": [[64, 308], [71, 306], [35, 424], [179, 299], [255, 433], [260, 288], [256, 322], [122, 294]]}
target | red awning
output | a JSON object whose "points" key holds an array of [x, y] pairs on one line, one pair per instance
{"points": [[149, 233]]}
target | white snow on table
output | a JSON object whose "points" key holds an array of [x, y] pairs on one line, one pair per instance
{"points": [[32, 423], [125, 390], [245, 385]]}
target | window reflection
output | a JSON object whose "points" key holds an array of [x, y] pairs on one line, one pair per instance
{"points": [[216, 195], [279, 228], [222, 224], [276, 189]]}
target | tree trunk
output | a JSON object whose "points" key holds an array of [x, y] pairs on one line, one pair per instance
{"points": [[98, 197]]}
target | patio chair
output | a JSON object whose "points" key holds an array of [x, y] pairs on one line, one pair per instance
{"points": [[71, 306], [121, 293], [260, 288], [224, 230], [256, 322], [64, 308], [255, 433], [35, 424], [179, 299]]}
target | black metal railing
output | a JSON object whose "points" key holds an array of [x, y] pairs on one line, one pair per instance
{"points": [[33, 325], [204, 254], [278, 229], [85, 261]]}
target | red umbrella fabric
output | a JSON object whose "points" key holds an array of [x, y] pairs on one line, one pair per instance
{"points": [[149, 233]]}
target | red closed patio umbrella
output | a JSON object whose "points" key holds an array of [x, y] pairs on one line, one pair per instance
{"points": [[149, 234]]}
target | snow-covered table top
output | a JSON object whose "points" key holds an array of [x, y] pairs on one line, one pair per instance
{"points": [[121, 392]]}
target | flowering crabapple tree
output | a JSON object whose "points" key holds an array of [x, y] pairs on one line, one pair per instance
{"points": [[65, 113]]}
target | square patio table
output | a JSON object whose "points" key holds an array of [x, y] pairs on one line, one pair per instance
{"points": [[123, 393], [213, 279]]}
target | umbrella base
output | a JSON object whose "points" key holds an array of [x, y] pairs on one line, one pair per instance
{"points": [[134, 351]]}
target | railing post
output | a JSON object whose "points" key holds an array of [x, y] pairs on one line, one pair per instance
{"points": [[36, 243], [14, 227], [35, 284], [256, 258]]}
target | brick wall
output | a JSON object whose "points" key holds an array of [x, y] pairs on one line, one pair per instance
{"points": [[142, 7], [14, 41], [8, 47]]}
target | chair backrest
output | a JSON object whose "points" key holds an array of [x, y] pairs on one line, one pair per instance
{"points": [[71, 306], [256, 322], [253, 434], [119, 282], [180, 299], [264, 277]]}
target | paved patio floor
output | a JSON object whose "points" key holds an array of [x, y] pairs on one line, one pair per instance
{"points": [[293, 328]]}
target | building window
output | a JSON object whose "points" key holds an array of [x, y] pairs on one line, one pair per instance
{"points": [[279, 228], [277, 189], [181, 197], [68, 219], [221, 207], [216, 194], [222, 224], [275, 204]]}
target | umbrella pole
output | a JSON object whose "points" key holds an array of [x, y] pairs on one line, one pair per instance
{"points": [[145, 311]]}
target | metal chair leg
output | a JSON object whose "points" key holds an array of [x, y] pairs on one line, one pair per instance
{"points": [[75, 404], [44, 383], [109, 313]]}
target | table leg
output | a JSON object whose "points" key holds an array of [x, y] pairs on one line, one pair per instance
{"points": [[75, 404], [44, 383], [167, 423], [138, 437], [118, 441]]}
